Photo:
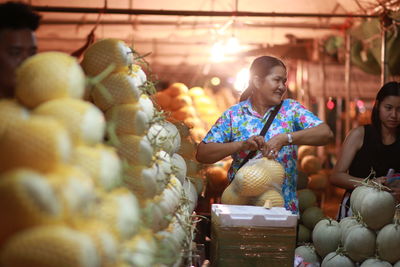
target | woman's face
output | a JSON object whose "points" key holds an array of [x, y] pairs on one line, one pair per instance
{"points": [[273, 86], [389, 112]]}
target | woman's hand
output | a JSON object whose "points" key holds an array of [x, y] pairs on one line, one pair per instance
{"points": [[396, 193], [274, 145], [253, 143], [394, 189], [381, 180]]}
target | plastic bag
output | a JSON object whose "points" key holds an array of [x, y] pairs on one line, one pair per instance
{"points": [[393, 179], [267, 173]]}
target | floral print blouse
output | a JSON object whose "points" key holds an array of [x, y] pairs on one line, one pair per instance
{"points": [[241, 121]]}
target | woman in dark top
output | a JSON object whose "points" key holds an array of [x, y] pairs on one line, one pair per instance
{"points": [[375, 146]]}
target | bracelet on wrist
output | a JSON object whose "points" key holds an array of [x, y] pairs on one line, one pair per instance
{"points": [[289, 138]]}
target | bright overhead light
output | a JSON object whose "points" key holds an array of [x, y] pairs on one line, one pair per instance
{"points": [[221, 48], [217, 52], [232, 45], [242, 80]]}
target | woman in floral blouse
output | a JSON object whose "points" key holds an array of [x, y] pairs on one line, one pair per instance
{"points": [[236, 132]]}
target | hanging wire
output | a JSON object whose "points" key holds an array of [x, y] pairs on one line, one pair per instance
{"points": [[234, 17], [361, 6], [90, 38]]}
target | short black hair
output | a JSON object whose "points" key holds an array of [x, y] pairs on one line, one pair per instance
{"points": [[17, 15]]}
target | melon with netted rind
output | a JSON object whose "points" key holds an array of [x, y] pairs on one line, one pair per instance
{"points": [[49, 75], [83, 120], [39, 143], [257, 176], [10, 112], [105, 52], [50, 246]]}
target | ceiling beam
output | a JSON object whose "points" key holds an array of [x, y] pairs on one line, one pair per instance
{"points": [[196, 24], [195, 13], [138, 41]]}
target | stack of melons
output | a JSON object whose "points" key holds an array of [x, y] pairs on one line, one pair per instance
{"points": [[179, 107], [311, 174], [205, 105], [49, 192], [369, 238], [308, 162], [148, 144], [176, 103], [70, 199], [217, 178], [310, 214]]}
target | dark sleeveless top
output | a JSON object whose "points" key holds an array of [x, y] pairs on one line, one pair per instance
{"points": [[374, 154]]}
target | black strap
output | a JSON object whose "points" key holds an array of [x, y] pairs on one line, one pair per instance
{"points": [[262, 133]]}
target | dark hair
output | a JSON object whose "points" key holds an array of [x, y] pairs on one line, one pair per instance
{"points": [[262, 66], [388, 89], [17, 15]]}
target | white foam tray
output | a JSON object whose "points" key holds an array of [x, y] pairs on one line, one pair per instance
{"points": [[240, 215]]}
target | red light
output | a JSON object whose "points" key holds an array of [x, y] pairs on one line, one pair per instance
{"points": [[360, 104], [330, 104]]}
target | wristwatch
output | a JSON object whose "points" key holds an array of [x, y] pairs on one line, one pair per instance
{"points": [[289, 138]]}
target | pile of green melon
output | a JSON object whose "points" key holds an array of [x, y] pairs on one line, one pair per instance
{"points": [[369, 238]]}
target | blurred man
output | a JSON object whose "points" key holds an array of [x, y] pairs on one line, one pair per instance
{"points": [[17, 41]]}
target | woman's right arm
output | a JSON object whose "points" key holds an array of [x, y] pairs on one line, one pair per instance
{"points": [[213, 152], [351, 145]]}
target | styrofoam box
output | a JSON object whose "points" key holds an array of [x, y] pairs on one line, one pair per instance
{"points": [[240, 215]]}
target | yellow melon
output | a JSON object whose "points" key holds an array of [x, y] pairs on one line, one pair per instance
{"points": [[128, 119], [311, 164], [135, 149], [105, 52], [176, 89], [10, 112], [101, 163], [27, 199], [117, 88], [257, 176], [273, 196], [83, 120], [120, 210], [50, 246], [49, 75], [39, 143], [231, 197]]}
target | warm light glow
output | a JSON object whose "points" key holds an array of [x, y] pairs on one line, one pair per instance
{"points": [[361, 106], [242, 80], [232, 45], [222, 48], [217, 52], [215, 81], [291, 86]]}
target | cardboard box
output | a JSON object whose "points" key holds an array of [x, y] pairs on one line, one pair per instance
{"points": [[252, 236]]}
